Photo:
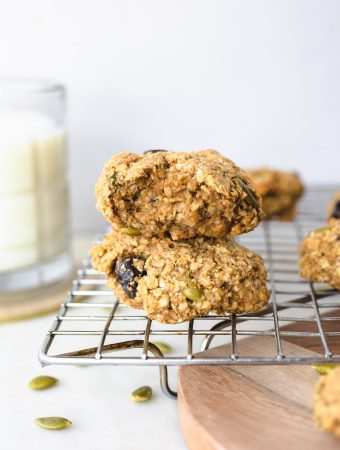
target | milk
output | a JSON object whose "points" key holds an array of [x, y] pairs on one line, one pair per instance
{"points": [[33, 189]]}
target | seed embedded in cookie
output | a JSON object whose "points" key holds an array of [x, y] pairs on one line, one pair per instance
{"points": [[182, 195], [153, 151], [181, 280]]}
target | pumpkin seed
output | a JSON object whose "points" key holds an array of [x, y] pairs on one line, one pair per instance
{"points": [[131, 231], [52, 423], [320, 230], [324, 369], [164, 348], [141, 394], [42, 382], [193, 292], [250, 197], [153, 151]]}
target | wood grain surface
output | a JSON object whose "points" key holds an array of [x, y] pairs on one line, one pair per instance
{"points": [[253, 407], [33, 304]]}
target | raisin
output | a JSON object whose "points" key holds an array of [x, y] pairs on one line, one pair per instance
{"points": [[126, 274], [153, 151], [336, 211]]}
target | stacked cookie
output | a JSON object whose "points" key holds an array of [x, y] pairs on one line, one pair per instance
{"points": [[169, 250]]}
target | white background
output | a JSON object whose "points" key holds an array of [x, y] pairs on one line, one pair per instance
{"points": [[258, 80]]}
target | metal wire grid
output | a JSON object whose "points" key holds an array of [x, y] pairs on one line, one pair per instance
{"points": [[293, 300]]}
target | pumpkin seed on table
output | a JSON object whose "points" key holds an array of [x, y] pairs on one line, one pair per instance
{"points": [[163, 347], [142, 394], [42, 382], [52, 423], [131, 231], [325, 368], [250, 197]]}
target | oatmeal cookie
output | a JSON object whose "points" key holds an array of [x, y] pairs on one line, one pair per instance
{"points": [[280, 192], [320, 255], [326, 402], [176, 281], [183, 195], [334, 207]]}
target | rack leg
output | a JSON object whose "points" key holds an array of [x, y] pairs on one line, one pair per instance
{"points": [[163, 378]]}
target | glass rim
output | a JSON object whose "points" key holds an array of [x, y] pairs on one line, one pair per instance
{"points": [[30, 85]]}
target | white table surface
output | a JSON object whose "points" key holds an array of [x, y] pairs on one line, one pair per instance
{"points": [[95, 399]]}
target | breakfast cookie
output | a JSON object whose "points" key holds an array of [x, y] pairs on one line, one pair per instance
{"points": [[334, 207], [320, 255], [176, 281], [279, 190], [183, 195], [326, 402]]}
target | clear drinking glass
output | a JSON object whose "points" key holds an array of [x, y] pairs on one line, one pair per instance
{"points": [[34, 209]]}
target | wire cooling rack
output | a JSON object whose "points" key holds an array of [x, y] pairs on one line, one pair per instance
{"points": [[93, 327]]}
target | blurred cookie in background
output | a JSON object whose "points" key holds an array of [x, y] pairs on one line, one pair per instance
{"points": [[326, 403], [320, 255], [280, 192]]}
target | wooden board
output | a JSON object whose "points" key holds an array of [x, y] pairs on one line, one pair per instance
{"points": [[253, 407], [34, 303]]}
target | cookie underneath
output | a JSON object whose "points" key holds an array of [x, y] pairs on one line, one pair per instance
{"points": [[178, 281]]}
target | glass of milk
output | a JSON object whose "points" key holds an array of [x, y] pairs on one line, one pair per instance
{"points": [[34, 209]]}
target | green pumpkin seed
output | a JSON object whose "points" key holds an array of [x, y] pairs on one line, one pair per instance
{"points": [[324, 369], [164, 348], [320, 230], [131, 231], [42, 382], [52, 423], [192, 291], [250, 197], [141, 394]]}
